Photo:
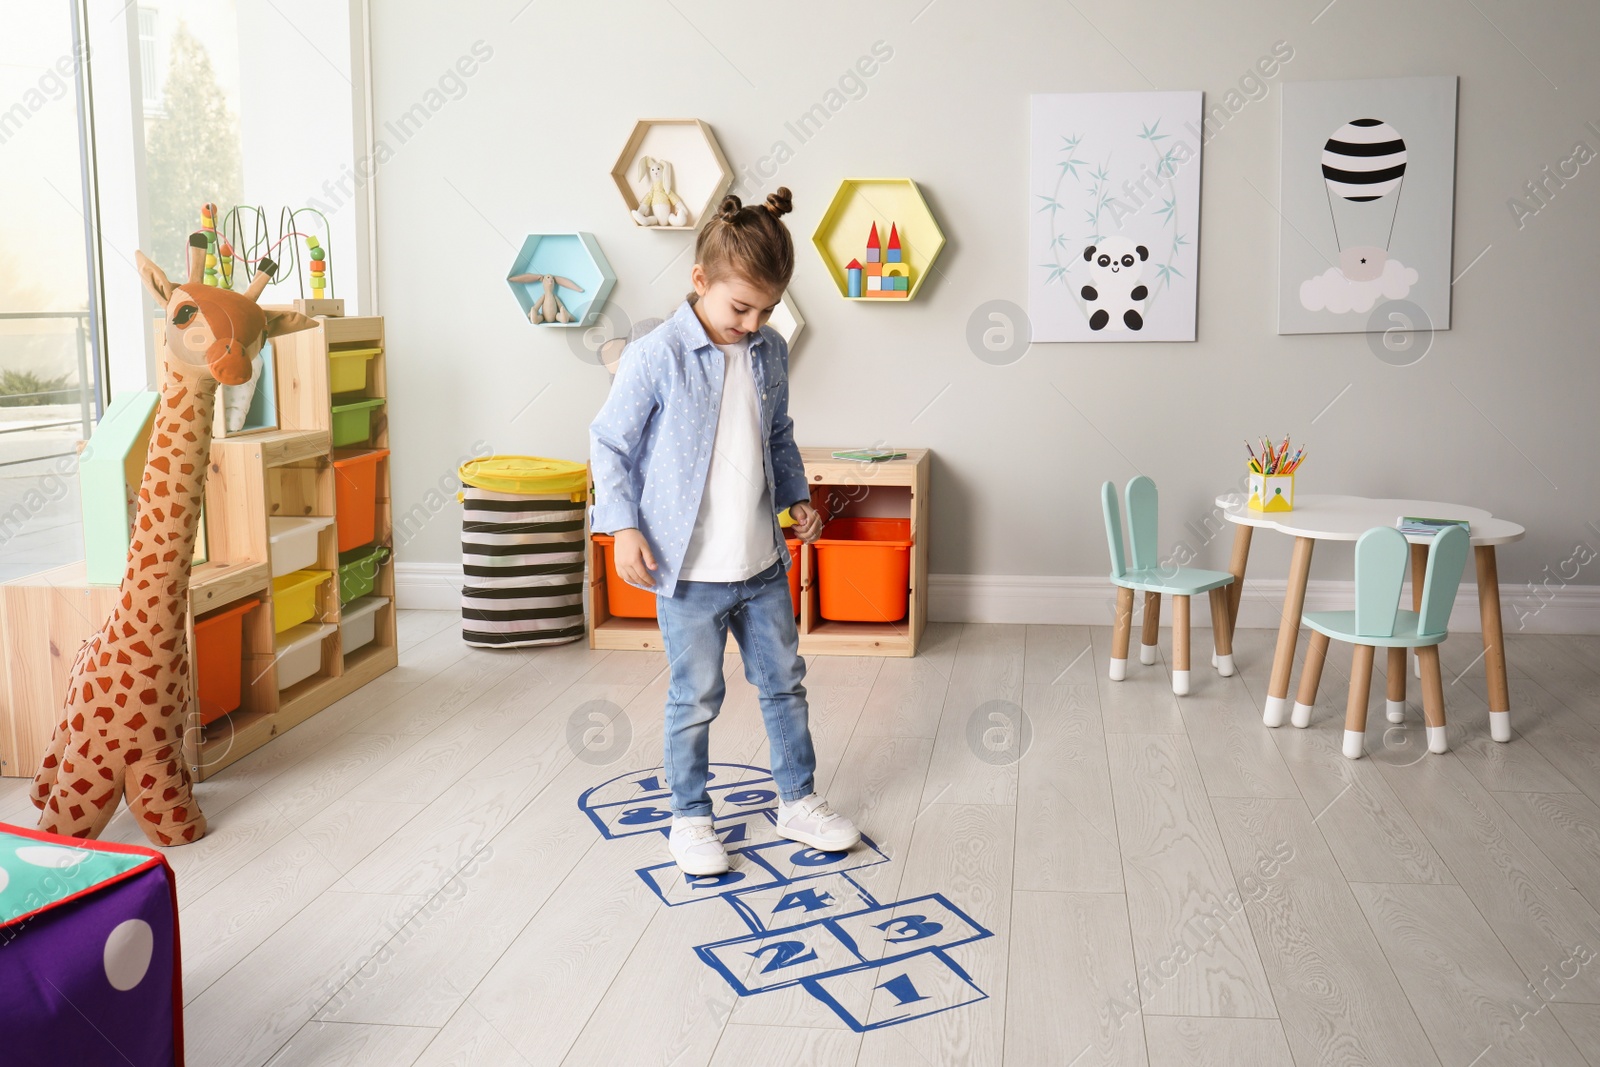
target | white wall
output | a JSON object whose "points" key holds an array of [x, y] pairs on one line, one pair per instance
{"points": [[300, 129], [1500, 413]]}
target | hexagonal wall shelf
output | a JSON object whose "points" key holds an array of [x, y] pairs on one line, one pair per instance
{"points": [[699, 171], [575, 257], [787, 320], [878, 239]]}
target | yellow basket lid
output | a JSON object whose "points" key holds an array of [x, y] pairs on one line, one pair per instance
{"points": [[527, 475]]}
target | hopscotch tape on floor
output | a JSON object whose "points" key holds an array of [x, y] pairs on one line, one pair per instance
{"points": [[812, 926]]}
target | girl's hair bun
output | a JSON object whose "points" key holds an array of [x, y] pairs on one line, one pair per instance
{"points": [[729, 208], [779, 202]]}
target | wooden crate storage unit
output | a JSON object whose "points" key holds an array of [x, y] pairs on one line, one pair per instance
{"points": [[44, 618], [844, 480]]}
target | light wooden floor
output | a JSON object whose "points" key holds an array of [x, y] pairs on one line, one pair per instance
{"points": [[407, 878]]}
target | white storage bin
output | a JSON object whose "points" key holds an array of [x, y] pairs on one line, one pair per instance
{"points": [[358, 621], [294, 542], [299, 651]]}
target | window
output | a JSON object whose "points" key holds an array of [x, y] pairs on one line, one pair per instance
{"points": [[49, 391], [149, 59]]}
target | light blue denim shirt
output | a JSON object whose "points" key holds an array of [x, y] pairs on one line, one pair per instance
{"points": [[650, 446]]}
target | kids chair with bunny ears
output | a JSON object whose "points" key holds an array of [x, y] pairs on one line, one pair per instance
{"points": [[1149, 576], [1377, 621]]}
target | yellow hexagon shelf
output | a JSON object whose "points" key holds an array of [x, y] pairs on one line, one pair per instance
{"points": [[878, 239], [676, 157]]}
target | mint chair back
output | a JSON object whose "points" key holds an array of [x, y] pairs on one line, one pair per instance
{"points": [[1447, 556], [1142, 514], [1108, 505], [1381, 555]]}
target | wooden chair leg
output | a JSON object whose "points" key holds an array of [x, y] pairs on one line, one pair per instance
{"points": [[1222, 632], [1310, 679], [1152, 628], [1395, 697], [1121, 631], [1433, 699], [1180, 645], [1355, 711]]}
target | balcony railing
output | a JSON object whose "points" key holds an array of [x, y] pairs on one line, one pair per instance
{"points": [[86, 394]]}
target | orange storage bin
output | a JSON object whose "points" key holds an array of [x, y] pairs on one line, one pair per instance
{"points": [[864, 569], [355, 491], [623, 600], [793, 544], [219, 659]]}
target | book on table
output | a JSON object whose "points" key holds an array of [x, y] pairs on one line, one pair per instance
{"points": [[1426, 527]]}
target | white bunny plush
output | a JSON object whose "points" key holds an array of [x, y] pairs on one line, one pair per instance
{"points": [[660, 206]]}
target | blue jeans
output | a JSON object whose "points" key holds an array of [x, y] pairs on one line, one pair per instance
{"points": [[695, 622]]}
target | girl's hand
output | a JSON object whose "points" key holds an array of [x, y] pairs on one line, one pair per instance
{"points": [[807, 521], [633, 557]]}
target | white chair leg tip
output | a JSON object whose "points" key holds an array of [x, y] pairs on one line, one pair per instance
{"points": [[1302, 715], [1223, 664], [1147, 654], [1437, 742], [1395, 710], [1119, 669], [1353, 744], [1500, 725], [1180, 682], [1273, 713]]}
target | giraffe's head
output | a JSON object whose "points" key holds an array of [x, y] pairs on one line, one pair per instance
{"points": [[217, 330]]}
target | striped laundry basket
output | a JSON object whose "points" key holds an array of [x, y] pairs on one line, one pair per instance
{"points": [[522, 551]]}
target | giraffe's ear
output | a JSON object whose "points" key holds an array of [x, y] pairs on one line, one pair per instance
{"points": [[279, 322], [154, 278]]}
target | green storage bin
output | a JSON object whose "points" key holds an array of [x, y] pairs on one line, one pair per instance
{"points": [[358, 571], [352, 420]]}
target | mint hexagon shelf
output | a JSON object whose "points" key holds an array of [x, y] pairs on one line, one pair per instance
{"points": [[699, 172], [878, 239], [574, 257]]}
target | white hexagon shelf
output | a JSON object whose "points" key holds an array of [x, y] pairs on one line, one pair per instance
{"points": [[696, 174], [560, 275], [787, 320]]}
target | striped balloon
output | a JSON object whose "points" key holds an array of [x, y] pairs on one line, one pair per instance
{"points": [[1364, 160]]}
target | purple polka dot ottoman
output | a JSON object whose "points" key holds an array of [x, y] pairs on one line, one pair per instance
{"points": [[89, 960]]}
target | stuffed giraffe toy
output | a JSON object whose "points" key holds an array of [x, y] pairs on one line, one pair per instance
{"points": [[129, 693]]}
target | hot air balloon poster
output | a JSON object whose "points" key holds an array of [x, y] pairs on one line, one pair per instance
{"points": [[1367, 205]]}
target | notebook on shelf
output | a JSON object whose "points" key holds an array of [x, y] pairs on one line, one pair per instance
{"points": [[868, 455]]}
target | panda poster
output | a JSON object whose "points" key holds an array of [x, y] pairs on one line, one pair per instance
{"points": [[1367, 199], [1113, 234]]}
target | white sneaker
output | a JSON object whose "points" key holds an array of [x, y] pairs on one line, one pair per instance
{"points": [[810, 821], [696, 847]]}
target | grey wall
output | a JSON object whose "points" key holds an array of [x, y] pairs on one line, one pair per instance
{"points": [[1500, 412]]}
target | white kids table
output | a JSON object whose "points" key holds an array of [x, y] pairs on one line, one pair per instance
{"points": [[1345, 518]]}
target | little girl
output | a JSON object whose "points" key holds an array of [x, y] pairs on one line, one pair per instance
{"points": [[693, 456]]}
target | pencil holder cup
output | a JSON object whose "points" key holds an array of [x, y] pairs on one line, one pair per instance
{"points": [[1271, 492]]}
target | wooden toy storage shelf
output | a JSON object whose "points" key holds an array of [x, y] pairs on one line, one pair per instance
{"points": [[818, 636], [289, 471]]}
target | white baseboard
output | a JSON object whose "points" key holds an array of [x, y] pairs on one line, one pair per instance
{"points": [[431, 586], [1076, 601], [1573, 609]]}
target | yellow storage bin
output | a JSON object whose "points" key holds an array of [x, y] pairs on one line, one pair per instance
{"points": [[294, 598], [347, 369]]}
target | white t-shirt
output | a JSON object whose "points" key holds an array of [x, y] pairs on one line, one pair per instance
{"points": [[732, 538]]}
